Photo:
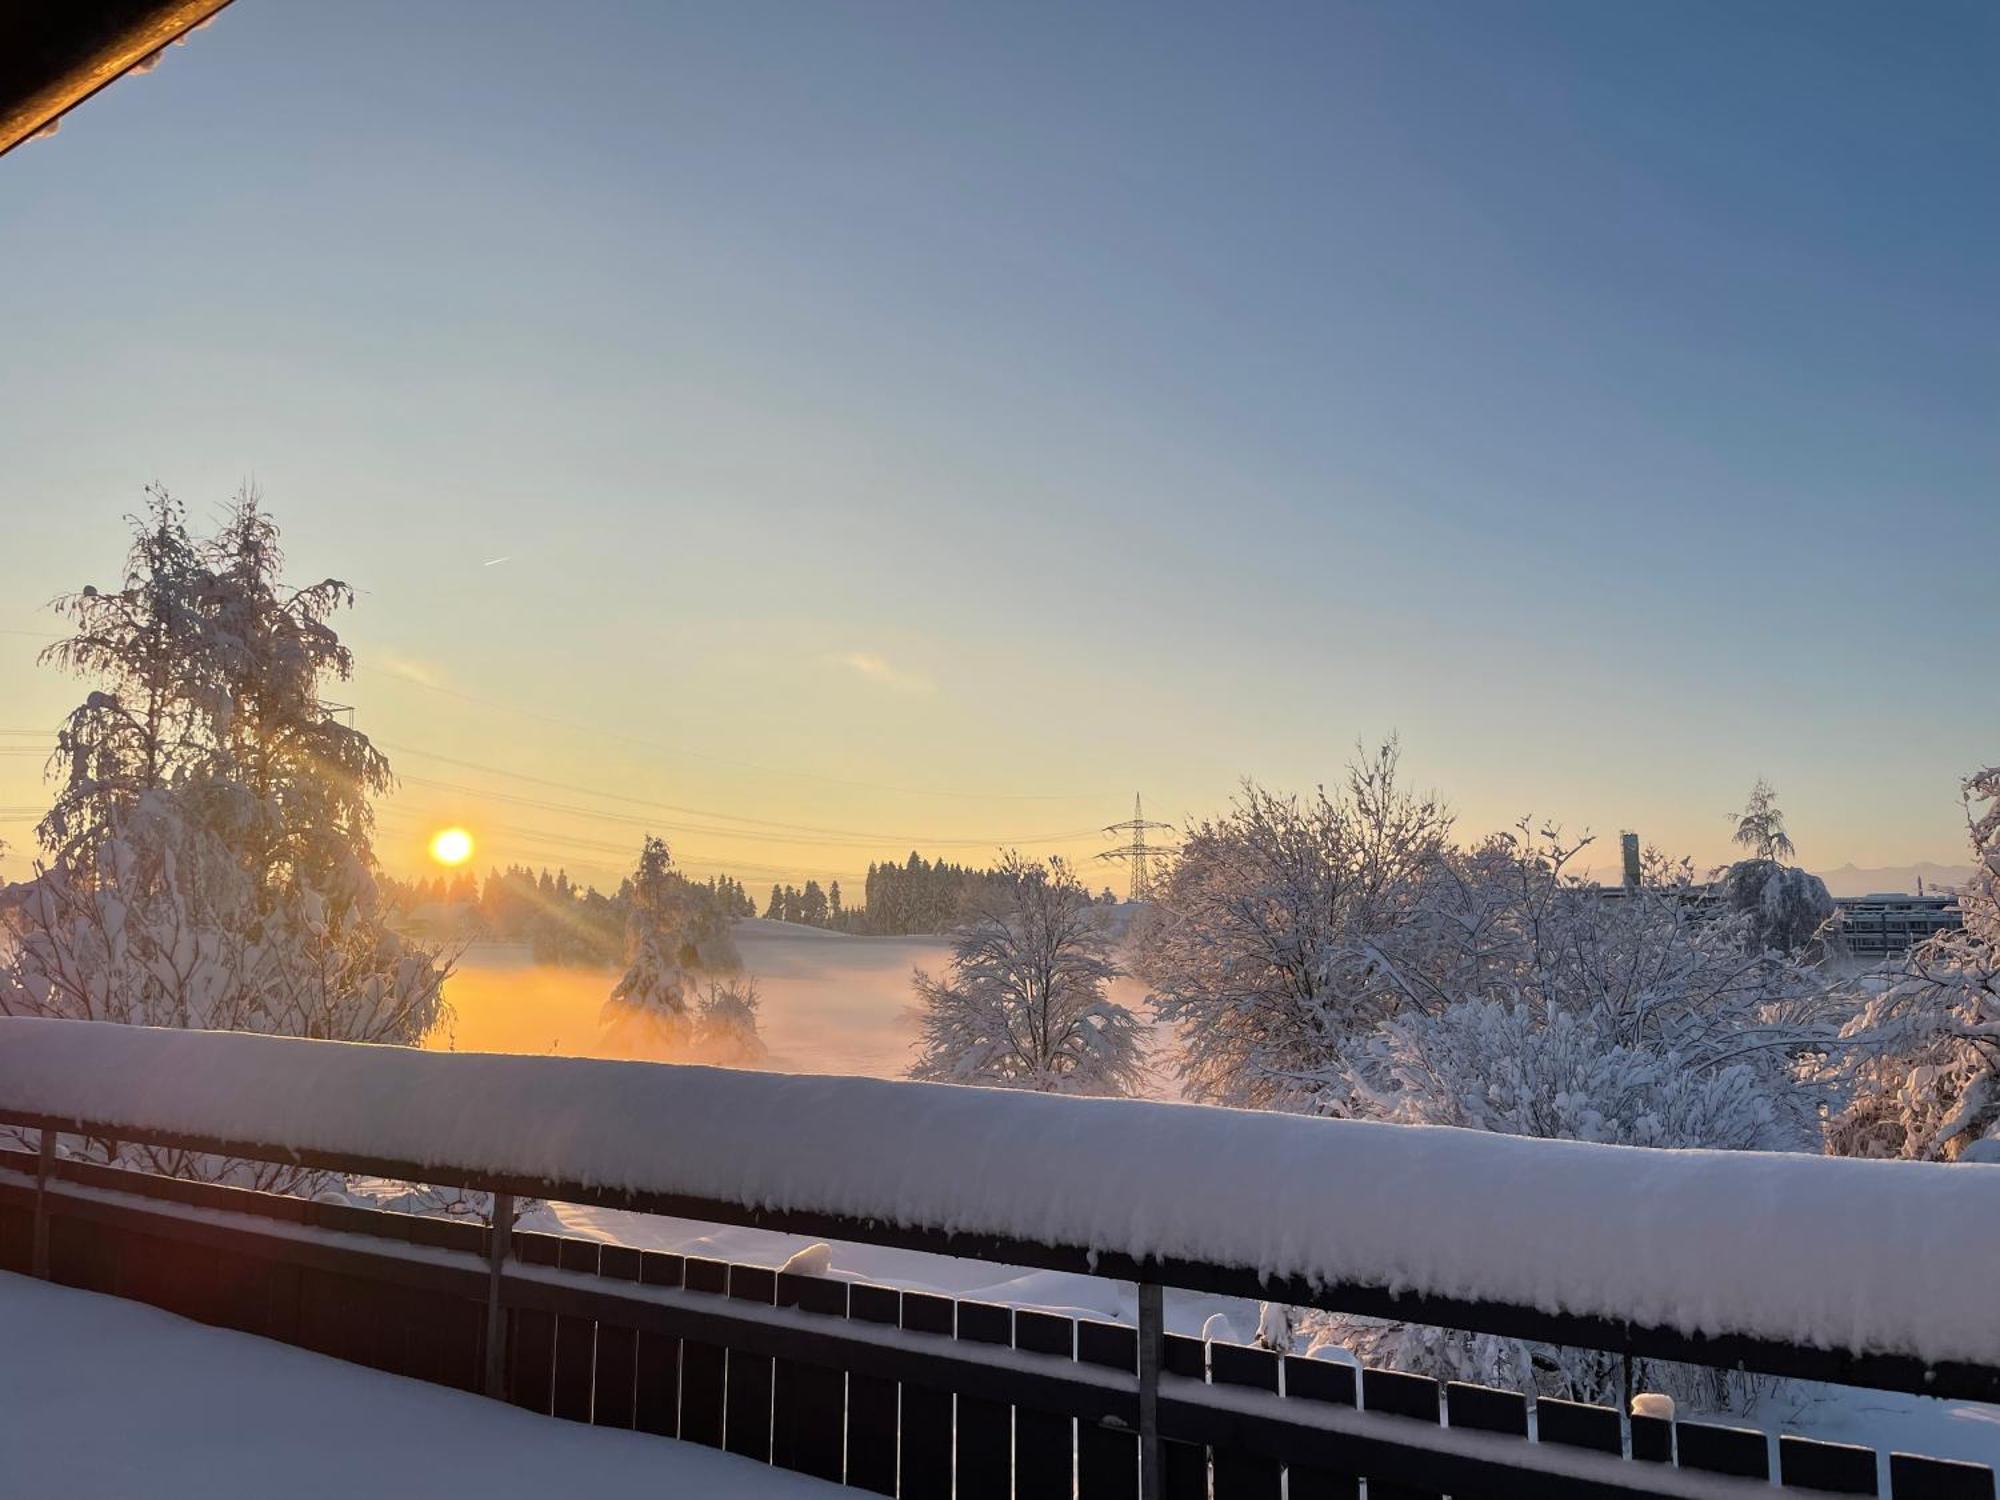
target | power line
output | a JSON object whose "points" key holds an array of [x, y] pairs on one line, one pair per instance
{"points": [[831, 834], [598, 731], [765, 830], [744, 835], [568, 845]]}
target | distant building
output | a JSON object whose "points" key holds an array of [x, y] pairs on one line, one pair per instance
{"points": [[1628, 849], [1890, 925]]}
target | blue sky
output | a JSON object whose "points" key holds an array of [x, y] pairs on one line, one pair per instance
{"points": [[942, 420]]}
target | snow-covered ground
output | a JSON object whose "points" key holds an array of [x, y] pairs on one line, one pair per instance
{"points": [[105, 1399], [830, 1003]]}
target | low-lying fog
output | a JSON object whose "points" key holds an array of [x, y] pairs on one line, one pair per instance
{"points": [[829, 1003]]}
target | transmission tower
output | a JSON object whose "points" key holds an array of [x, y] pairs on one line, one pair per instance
{"points": [[1137, 853]]}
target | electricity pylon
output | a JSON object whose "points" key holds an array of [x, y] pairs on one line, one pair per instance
{"points": [[1137, 853]]}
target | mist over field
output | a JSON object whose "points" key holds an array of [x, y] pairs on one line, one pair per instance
{"points": [[828, 1002]]}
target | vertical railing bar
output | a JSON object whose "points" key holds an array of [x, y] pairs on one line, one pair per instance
{"points": [[498, 1242], [1152, 1352], [45, 1164], [1625, 1401]]}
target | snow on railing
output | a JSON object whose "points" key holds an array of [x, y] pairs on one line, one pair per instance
{"points": [[1859, 1256]]}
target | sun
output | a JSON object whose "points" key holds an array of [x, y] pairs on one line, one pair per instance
{"points": [[451, 846]]}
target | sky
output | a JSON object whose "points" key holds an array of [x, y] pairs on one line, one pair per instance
{"points": [[929, 425]]}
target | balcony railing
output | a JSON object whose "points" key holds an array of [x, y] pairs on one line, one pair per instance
{"points": [[895, 1391]]}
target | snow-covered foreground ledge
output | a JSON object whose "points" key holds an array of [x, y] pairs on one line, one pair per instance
{"points": [[103, 1398], [1869, 1257]]}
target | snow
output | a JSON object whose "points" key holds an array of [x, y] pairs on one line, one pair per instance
{"points": [[1883, 1420], [1834, 1252], [101, 1397], [231, 1417], [828, 1002]]}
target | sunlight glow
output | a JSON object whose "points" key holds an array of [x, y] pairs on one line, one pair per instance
{"points": [[451, 846]]}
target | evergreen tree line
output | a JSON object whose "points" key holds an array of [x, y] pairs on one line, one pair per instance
{"points": [[912, 897], [560, 920], [566, 922]]}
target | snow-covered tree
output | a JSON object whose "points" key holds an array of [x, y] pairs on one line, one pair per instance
{"points": [[812, 905], [1760, 827], [1785, 909], [1926, 1044], [1024, 1004], [651, 995], [673, 931], [725, 1025], [1537, 1004], [207, 859], [1267, 947], [1342, 956]]}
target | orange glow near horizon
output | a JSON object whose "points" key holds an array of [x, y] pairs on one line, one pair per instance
{"points": [[451, 846]]}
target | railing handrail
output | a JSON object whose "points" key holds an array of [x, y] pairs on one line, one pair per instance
{"points": [[1952, 1379], [1689, 1256], [1412, 1450]]}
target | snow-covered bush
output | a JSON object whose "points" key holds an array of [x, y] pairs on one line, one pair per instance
{"points": [[1567, 1075], [1024, 1005], [1636, 1017], [1785, 909], [1267, 946], [1925, 1055], [725, 1025], [207, 857], [166, 927]]}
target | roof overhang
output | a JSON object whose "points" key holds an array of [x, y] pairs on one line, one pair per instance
{"points": [[54, 54]]}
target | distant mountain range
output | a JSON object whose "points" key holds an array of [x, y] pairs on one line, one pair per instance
{"points": [[1852, 880]]}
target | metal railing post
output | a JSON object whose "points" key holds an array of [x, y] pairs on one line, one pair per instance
{"points": [[1152, 1351], [499, 1241], [45, 1165]]}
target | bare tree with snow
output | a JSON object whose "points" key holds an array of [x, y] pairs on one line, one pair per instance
{"points": [[1341, 956], [208, 860], [725, 1025], [1538, 1004], [1024, 1004], [1267, 949], [1926, 1044]]}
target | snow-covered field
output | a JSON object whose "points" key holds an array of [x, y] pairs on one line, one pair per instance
{"points": [[105, 1399], [830, 1003]]}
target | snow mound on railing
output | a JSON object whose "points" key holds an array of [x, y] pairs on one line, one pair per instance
{"points": [[1865, 1256]]}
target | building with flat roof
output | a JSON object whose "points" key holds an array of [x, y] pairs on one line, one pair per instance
{"points": [[1888, 925]]}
